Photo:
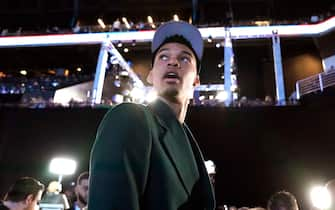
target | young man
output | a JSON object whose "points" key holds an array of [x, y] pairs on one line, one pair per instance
{"points": [[145, 157], [24, 194]]}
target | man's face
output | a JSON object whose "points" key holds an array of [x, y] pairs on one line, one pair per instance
{"points": [[82, 191], [32, 203], [174, 72]]}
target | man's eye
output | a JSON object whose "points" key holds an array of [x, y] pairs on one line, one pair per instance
{"points": [[163, 57], [186, 59]]}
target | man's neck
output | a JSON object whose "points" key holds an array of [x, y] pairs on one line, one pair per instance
{"points": [[179, 109], [80, 204], [12, 205]]}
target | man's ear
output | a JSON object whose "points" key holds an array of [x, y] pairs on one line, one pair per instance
{"points": [[149, 77], [196, 81], [29, 199]]}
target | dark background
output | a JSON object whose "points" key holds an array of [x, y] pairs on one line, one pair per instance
{"points": [[257, 150], [32, 14]]}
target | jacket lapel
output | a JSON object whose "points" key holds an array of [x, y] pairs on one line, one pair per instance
{"points": [[177, 146], [205, 181]]}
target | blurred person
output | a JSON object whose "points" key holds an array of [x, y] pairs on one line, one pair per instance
{"points": [[116, 25], [257, 208], [145, 157], [81, 191], [24, 194], [330, 186], [69, 191], [282, 200], [268, 100], [54, 196], [244, 208]]}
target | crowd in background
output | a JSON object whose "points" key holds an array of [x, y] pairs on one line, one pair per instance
{"points": [[36, 92], [39, 91], [28, 193], [119, 25]]}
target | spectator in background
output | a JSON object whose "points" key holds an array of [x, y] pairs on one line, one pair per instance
{"points": [[81, 191], [69, 191], [257, 208], [268, 100], [282, 200], [117, 25], [54, 196], [331, 188], [24, 194]]}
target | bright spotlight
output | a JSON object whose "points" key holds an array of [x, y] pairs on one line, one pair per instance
{"points": [[150, 20], [210, 39], [151, 96], [137, 94], [221, 96], [320, 197], [124, 73], [201, 98], [119, 44], [62, 166], [210, 166], [23, 72], [126, 23], [175, 17], [118, 98], [235, 96], [233, 87], [101, 23]]}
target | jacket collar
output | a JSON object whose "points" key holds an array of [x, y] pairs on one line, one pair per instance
{"points": [[176, 143], [165, 114], [168, 120]]}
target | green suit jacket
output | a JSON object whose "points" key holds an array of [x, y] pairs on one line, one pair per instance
{"points": [[144, 159]]}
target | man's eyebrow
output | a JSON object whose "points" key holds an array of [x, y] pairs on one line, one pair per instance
{"points": [[188, 53], [162, 49], [183, 51]]}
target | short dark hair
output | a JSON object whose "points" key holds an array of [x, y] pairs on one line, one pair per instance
{"points": [[23, 187], [84, 175], [282, 199]]}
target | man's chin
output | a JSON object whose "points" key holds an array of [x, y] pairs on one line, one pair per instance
{"points": [[170, 94]]}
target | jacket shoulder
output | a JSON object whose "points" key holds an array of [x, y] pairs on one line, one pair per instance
{"points": [[129, 110], [125, 115]]}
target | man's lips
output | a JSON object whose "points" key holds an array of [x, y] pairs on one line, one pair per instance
{"points": [[171, 75]]}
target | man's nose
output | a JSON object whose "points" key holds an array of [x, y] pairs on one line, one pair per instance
{"points": [[173, 62]]}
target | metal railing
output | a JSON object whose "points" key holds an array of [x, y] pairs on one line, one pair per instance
{"points": [[315, 83]]}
